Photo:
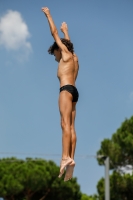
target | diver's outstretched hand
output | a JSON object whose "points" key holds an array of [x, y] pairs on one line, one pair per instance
{"points": [[64, 27], [46, 11]]}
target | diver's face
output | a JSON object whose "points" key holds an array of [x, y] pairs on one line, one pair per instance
{"points": [[57, 54]]}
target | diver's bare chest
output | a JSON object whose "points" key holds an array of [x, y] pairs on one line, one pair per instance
{"points": [[63, 69]]}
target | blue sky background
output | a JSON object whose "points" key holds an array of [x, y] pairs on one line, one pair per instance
{"points": [[102, 33]]}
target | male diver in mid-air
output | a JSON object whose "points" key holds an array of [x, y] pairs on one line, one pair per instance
{"points": [[67, 73]]}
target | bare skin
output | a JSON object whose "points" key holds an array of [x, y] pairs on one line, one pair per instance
{"points": [[67, 74], [70, 167]]}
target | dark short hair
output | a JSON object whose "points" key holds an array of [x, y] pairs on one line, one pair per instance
{"points": [[66, 42]]}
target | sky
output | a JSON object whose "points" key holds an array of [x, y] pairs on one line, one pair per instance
{"points": [[102, 34]]}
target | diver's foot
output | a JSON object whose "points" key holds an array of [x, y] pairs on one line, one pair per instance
{"points": [[69, 171], [64, 163]]}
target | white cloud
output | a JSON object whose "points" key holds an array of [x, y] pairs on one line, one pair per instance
{"points": [[14, 32], [128, 169]]}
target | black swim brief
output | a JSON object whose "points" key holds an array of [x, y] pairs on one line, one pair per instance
{"points": [[73, 90]]}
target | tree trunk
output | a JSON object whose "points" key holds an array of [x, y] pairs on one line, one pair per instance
{"points": [[45, 195]]}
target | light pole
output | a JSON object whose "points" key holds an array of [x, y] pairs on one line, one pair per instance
{"points": [[107, 182]]}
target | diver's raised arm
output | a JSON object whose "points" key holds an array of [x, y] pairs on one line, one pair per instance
{"points": [[53, 29], [64, 29]]}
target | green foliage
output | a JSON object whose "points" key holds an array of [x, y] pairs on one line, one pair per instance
{"points": [[121, 187], [118, 148], [120, 151], [33, 179], [85, 197]]}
